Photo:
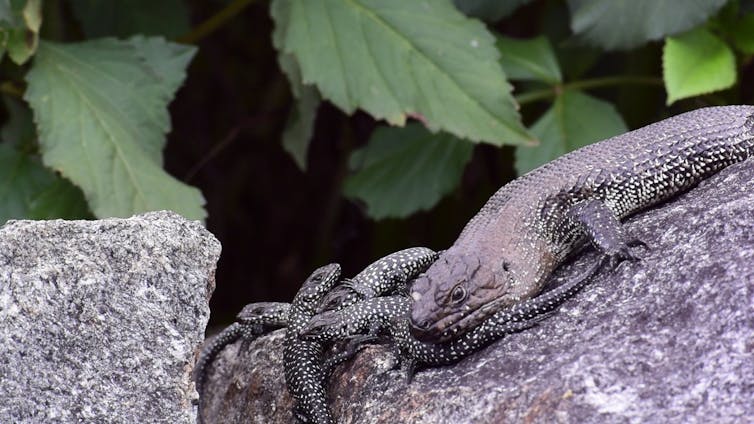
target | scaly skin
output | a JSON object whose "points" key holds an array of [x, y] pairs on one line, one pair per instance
{"points": [[527, 229], [384, 276], [269, 315], [309, 372], [305, 370], [392, 312], [302, 359], [254, 320]]}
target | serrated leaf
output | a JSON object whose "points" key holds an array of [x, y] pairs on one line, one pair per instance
{"points": [[488, 10], [742, 33], [617, 25], [19, 28], [574, 120], [395, 58], [531, 59], [101, 116], [124, 18], [695, 63], [405, 170], [28, 190], [167, 60]]}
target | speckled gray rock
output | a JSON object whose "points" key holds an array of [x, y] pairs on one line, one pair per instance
{"points": [[668, 339], [100, 321]]}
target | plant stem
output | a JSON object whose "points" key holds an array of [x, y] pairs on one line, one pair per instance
{"points": [[556, 90], [215, 22]]}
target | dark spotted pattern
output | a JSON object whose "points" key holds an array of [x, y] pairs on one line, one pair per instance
{"points": [[386, 275], [307, 372], [266, 314], [391, 313], [229, 335], [303, 359], [508, 250], [306, 369], [253, 320]]}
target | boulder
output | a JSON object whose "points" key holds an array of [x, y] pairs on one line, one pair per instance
{"points": [[667, 339], [100, 321]]}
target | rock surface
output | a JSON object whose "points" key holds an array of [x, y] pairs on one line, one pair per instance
{"points": [[667, 339], [100, 321]]}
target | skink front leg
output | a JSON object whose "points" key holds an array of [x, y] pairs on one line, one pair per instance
{"points": [[605, 231]]}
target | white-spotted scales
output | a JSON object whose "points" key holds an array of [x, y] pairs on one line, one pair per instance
{"points": [[391, 313], [528, 228], [303, 359]]}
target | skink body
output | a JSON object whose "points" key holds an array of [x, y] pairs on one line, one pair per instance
{"points": [[528, 227]]}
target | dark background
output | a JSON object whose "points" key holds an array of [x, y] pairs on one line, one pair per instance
{"points": [[276, 222]]}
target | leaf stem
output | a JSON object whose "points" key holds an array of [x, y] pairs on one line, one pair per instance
{"points": [[215, 22], [554, 91]]}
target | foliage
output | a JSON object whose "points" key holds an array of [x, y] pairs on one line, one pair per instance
{"points": [[19, 28], [407, 163], [697, 62], [100, 109], [372, 55], [87, 113], [628, 24]]}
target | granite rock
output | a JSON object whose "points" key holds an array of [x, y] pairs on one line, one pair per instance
{"points": [[667, 339], [100, 321]]}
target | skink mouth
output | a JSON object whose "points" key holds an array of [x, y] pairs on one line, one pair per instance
{"points": [[426, 331], [457, 324]]}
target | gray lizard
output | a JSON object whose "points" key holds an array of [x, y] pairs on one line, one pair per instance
{"points": [[307, 373], [528, 228], [391, 313]]}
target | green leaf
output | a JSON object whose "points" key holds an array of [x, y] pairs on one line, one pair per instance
{"points": [[624, 24], [101, 115], [19, 28], [404, 170], [396, 58], [742, 33], [123, 18], [695, 63], [300, 126], [489, 10], [531, 59], [574, 120], [28, 190], [168, 62]]}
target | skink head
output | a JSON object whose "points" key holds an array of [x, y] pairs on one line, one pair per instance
{"points": [[316, 286], [456, 294]]}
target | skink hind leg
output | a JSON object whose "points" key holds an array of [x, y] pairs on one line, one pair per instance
{"points": [[605, 231]]}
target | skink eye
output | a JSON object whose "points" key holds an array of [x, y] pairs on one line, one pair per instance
{"points": [[506, 266], [458, 294]]}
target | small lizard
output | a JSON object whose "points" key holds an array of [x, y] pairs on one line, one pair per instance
{"points": [[303, 359], [530, 225], [255, 319], [391, 313], [305, 370], [386, 275]]}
